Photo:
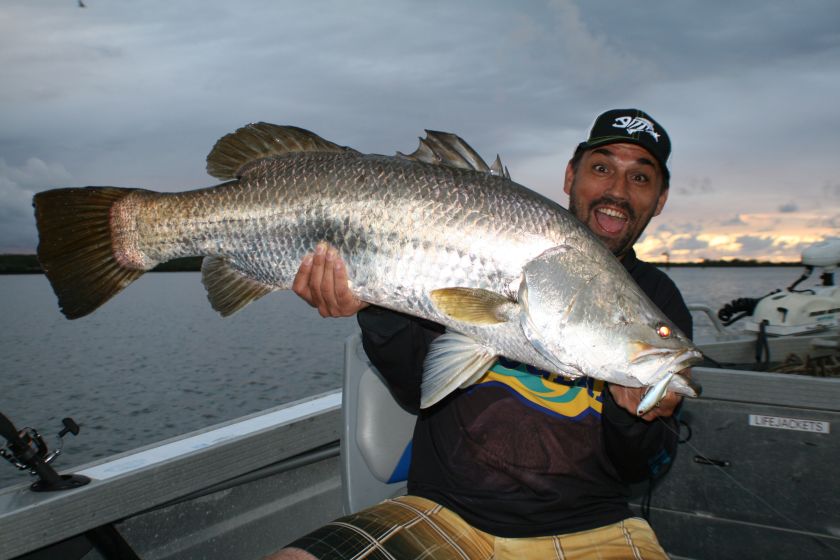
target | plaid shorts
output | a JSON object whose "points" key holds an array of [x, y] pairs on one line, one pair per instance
{"points": [[413, 528]]}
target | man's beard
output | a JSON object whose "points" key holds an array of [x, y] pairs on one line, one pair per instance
{"points": [[618, 245]]}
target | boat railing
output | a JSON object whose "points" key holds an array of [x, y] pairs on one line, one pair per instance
{"points": [[240, 466], [712, 316]]}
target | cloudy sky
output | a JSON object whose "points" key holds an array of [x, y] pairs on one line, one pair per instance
{"points": [[136, 93]]}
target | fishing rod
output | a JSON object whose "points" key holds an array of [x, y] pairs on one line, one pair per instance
{"points": [[27, 450]]}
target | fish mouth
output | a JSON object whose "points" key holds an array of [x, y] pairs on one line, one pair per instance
{"points": [[669, 378], [646, 352], [679, 360], [685, 359]]}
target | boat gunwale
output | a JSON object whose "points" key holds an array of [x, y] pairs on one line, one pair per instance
{"points": [[206, 457]]}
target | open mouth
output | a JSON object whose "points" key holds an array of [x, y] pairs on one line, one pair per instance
{"points": [[610, 219]]}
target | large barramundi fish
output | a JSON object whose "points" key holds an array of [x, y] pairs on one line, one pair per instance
{"points": [[436, 234]]}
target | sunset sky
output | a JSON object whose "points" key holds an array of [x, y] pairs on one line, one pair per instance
{"points": [[136, 93]]}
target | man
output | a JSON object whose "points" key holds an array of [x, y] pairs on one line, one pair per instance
{"points": [[498, 473]]}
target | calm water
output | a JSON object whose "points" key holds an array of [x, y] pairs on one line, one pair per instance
{"points": [[157, 361]]}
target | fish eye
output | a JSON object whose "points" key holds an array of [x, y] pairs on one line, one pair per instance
{"points": [[663, 330]]}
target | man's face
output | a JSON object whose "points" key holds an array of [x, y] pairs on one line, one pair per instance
{"points": [[615, 191]]}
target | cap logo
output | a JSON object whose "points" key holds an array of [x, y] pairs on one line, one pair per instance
{"points": [[636, 124]]}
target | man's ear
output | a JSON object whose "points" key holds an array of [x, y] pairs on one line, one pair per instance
{"points": [[660, 204], [569, 178]]}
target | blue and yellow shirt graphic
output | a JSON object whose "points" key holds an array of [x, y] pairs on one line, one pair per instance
{"points": [[555, 395]]}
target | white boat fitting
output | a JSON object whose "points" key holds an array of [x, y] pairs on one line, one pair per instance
{"points": [[792, 311]]}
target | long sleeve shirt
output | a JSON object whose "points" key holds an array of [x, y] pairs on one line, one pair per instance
{"points": [[523, 452]]}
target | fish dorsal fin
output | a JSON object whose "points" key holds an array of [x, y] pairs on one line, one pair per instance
{"points": [[228, 289], [498, 169], [260, 140], [473, 305], [445, 148]]}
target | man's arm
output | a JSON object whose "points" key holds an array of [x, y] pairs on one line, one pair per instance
{"points": [[640, 447], [397, 345]]}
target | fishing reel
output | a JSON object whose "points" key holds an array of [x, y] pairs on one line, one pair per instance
{"points": [[27, 450]]}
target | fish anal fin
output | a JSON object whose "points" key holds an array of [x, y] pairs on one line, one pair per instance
{"points": [[472, 305], [255, 141], [454, 360], [228, 289], [75, 247]]}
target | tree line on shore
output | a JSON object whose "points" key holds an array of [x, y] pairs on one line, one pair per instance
{"points": [[28, 264]]}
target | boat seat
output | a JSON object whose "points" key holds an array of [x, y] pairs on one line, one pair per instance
{"points": [[376, 437]]}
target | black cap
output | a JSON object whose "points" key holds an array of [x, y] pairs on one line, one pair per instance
{"points": [[635, 127]]}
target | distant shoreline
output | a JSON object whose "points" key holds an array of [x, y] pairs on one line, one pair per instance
{"points": [[28, 264]]}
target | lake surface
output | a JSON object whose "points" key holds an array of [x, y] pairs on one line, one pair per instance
{"points": [[157, 361]]}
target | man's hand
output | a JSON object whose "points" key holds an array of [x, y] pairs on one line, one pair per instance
{"points": [[629, 398], [322, 282]]}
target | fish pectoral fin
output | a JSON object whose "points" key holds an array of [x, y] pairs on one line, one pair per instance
{"points": [[228, 289], [454, 360], [472, 305], [261, 140]]}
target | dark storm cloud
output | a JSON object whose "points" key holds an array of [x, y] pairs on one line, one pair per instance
{"points": [[694, 186], [753, 243], [17, 185], [831, 189], [788, 208], [690, 243], [730, 38], [832, 221], [680, 227], [734, 221], [136, 93]]}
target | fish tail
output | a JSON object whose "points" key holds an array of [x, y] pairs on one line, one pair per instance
{"points": [[75, 247]]}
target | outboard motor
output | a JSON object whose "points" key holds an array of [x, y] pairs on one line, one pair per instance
{"points": [[794, 311]]}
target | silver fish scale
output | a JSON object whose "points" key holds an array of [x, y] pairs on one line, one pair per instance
{"points": [[403, 227]]}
